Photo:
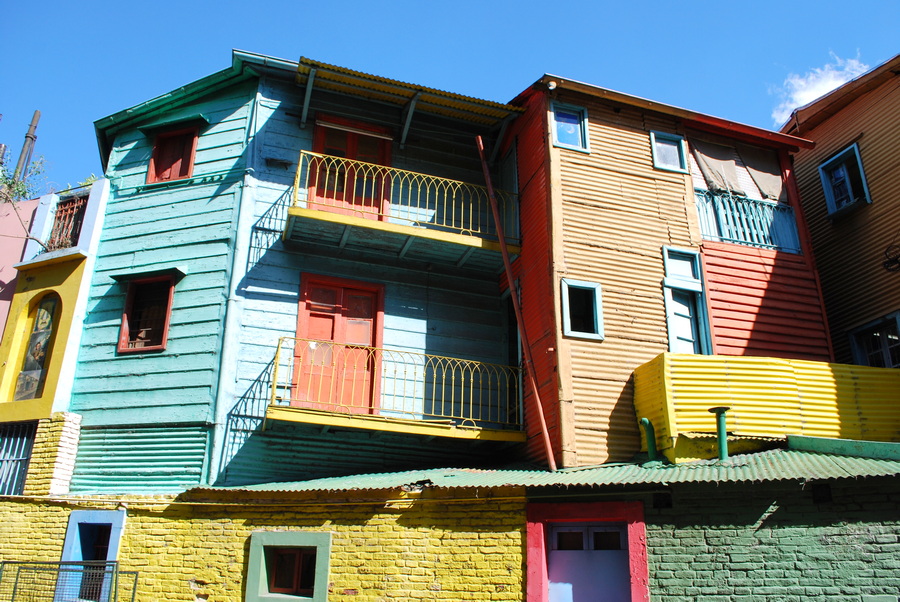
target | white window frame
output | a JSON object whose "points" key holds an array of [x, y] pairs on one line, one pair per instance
{"points": [[682, 152], [860, 356], [598, 334], [845, 157], [692, 285], [582, 115]]}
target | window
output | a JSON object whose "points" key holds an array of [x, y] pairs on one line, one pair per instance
{"points": [[686, 318], [30, 381], [173, 155], [16, 443], [669, 152], [576, 550], [92, 537], [145, 321], [570, 127], [844, 180], [582, 309], [878, 344], [288, 566]]}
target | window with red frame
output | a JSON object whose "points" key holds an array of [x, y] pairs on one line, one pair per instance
{"points": [[173, 155], [291, 570], [145, 321]]}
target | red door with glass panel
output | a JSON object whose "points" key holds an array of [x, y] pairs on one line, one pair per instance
{"points": [[360, 186], [335, 358]]}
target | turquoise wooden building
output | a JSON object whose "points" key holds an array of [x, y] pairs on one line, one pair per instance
{"points": [[311, 281]]}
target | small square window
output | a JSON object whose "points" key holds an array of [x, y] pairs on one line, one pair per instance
{"points": [[570, 127], [844, 181], [286, 565], [582, 308], [173, 155], [878, 344], [145, 321], [669, 152]]}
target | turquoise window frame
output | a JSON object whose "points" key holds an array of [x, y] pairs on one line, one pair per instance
{"points": [[844, 157], [694, 285], [598, 334], [257, 588], [682, 151], [581, 114]]}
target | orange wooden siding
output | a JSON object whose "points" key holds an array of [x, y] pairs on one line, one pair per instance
{"points": [[763, 303]]}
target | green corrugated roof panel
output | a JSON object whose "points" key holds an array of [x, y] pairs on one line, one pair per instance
{"points": [[773, 465]]}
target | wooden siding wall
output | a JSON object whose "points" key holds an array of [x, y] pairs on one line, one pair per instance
{"points": [[190, 226], [617, 214], [456, 314], [534, 270], [763, 303], [850, 248]]}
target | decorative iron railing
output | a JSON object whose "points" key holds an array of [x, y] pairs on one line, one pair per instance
{"points": [[391, 383], [67, 223], [736, 219], [95, 581], [397, 196]]}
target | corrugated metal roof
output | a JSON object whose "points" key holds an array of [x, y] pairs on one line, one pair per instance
{"points": [[382, 89], [774, 465]]}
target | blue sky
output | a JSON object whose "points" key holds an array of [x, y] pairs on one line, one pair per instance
{"points": [[80, 61]]}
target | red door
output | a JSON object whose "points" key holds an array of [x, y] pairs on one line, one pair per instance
{"points": [[335, 360], [350, 188]]}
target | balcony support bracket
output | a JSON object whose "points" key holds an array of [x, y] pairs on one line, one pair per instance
{"points": [[408, 112], [310, 80]]}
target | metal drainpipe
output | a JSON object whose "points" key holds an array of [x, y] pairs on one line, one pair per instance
{"points": [[526, 346], [721, 432], [650, 433]]}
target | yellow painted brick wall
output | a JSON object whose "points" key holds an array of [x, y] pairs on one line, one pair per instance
{"points": [[435, 548]]}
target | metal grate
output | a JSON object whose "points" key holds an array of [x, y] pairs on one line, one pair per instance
{"points": [[96, 581], [737, 219], [16, 441], [67, 223]]}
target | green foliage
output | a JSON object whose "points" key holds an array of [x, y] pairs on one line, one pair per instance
{"points": [[22, 189]]}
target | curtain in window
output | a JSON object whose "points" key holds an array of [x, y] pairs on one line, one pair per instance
{"points": [[762, 164], [717, 163]]}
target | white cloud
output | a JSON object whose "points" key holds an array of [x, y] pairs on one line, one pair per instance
{"points": [[799, 90]]}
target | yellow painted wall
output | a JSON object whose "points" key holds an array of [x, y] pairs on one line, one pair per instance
{"points": [[436, 548], [617, 212], [63, 278]]}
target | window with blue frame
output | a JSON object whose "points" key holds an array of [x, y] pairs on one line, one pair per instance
{"points": [[570, 127], [878, 343], [669, 152], [582, 309], [686, 319], [844, 181]]}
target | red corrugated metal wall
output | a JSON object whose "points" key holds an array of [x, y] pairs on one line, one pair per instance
{"points": [[533, 269], [763, 303]]}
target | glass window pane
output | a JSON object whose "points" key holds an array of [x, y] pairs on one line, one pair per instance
{"points": [[568, 128], [569, 540], [668, 153], [582, 310]]}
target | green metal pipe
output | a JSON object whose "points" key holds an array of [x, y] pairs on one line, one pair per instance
{"points": [[721, 431], [650, 433]]}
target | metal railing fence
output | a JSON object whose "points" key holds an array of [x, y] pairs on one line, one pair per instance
{"points": [[355, 379], [67, 223], [403, 197], [737, 219], [95, 581]]}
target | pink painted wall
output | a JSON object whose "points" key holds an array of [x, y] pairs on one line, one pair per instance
{"points": [[12, 245]]}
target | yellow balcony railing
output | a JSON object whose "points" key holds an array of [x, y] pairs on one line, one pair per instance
{"points": [[768, 398], [355, 379], [377, 192]]}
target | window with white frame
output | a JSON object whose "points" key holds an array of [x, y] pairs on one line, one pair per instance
{"points": [[669, 152], [878, 343], [570, 127], [582, 309], [844, 180], [686, 319], [288, 565]]}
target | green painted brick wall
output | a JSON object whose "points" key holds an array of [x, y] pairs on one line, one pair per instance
{"points": [[773, 542]]}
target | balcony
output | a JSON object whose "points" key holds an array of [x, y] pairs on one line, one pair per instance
{"points": [[95, 581], [739, 220], [370, 209], [769, 398], [351, 386]]}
